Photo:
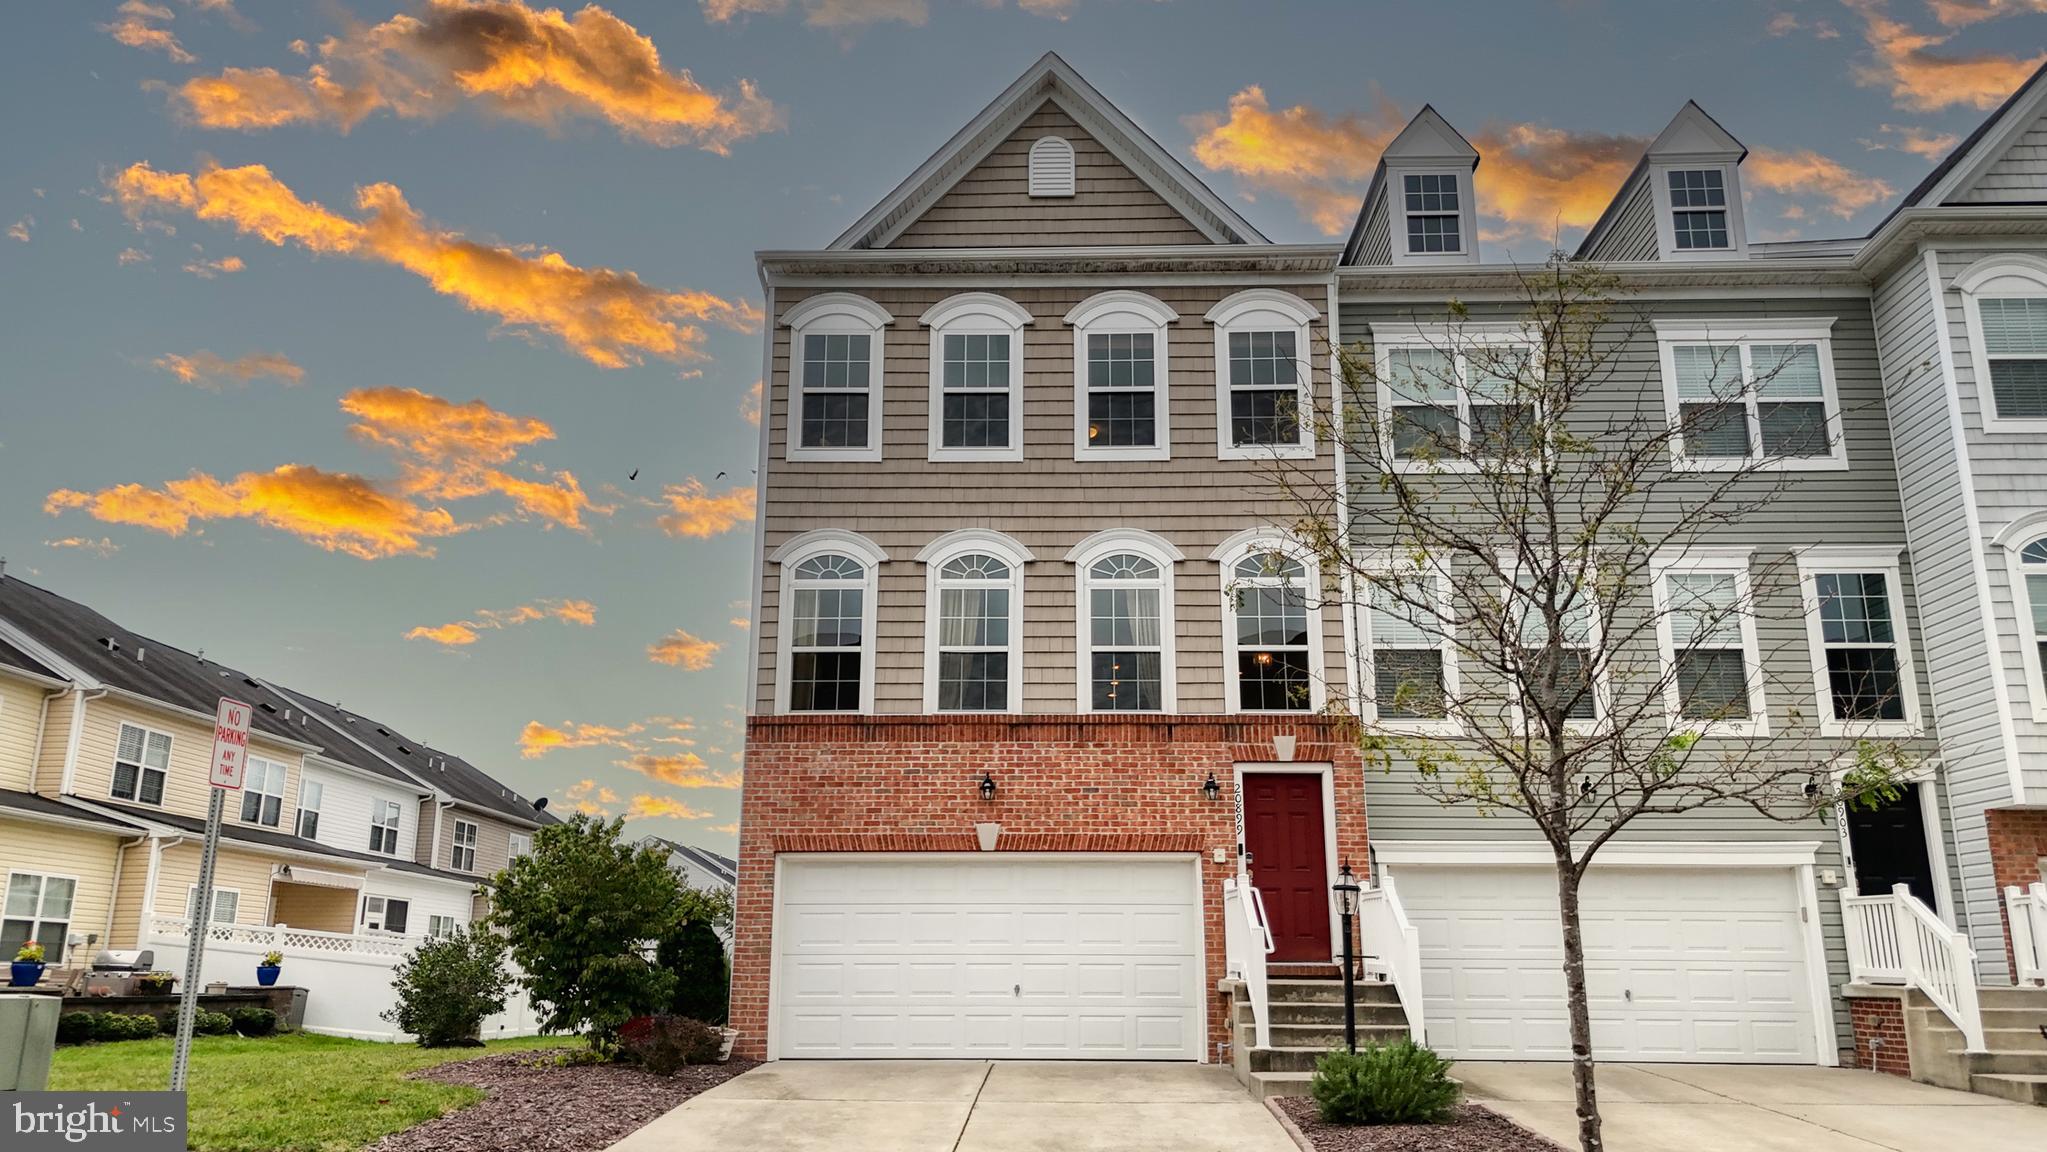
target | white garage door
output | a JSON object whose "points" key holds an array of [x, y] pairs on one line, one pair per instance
{"points": [[988, 956], [1681, 964]]}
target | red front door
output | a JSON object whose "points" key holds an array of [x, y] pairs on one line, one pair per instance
{"points": [[1289, 861]]}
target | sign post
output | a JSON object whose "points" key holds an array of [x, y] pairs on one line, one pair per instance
{"points": [[230, 756]]}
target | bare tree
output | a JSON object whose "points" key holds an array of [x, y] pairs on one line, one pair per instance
{"points": [[1567, 625]]}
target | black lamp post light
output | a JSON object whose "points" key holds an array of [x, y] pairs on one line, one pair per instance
{"points": [[1346, 890]]}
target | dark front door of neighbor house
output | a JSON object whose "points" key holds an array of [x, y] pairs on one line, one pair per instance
{"points": [[1889, 846], [1289, 861]]}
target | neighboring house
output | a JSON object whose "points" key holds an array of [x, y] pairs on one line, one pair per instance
{"points": [[698, 868], [104, 741], [1016, 607]]}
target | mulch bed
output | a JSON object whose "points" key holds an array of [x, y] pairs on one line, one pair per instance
{"points": [[536, 1105], [1476, 1129]]}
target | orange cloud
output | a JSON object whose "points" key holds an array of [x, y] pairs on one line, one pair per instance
{"points": [[590, 798], [1920, 142], [336, 511], [1921, 80], [750, 405], [1961, 13], [647, 807], [101, 547], [1840, 189], [696, 511], [208, 269], [461, 633], [608, 317], [680, 770], [131, 256], [538, 739], [681, 648], [19, 229], [540, 66], [212, 372], [136, 25]]}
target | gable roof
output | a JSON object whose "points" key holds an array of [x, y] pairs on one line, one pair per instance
{"points": [[1979, 149], [15, 658], [1428, 136], [724, 868], [1051, 78], [1693, 133]]}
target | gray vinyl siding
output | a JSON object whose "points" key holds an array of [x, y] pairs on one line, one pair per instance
{"points": [[1632, 235], [991, 206], [1048, 502], [2018, 177], [1377, 246], [1857, 507]]}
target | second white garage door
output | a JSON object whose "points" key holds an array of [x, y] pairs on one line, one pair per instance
{"points": [[1681, 964], [992, 956]]}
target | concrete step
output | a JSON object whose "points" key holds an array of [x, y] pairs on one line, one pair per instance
{"points": [[2034, 999], [2025, 1089], [2021, 1063], [2025, 1018], [1995, 1039], [1306, 1012], [1327, 992], [1302, 1058], [1331, 1035], [1265, 1084]]}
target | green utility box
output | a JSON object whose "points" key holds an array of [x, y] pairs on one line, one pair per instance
{"points": [[28, 1037]]}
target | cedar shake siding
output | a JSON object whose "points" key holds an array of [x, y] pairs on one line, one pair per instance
{"points": [[1048, 502], [991, 206]]}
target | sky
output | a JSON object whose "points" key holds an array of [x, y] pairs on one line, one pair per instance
{"points": [[407, 351]]}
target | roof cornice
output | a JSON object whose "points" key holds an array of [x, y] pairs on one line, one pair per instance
{"points": [[1792, 275], [783, 266], [1902, 233]]}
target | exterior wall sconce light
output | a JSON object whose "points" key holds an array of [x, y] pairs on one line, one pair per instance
{"points": [[1211, 789], [987, 786]]}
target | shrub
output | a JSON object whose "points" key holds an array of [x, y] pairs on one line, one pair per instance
{"points": [[696, 956], [123, 1026], [273, 959], [29, 953], [664, 1044], [206, 1023], [76, 1027], [1397, 1083], [254, 1021], [447, 986], [155, 983]]}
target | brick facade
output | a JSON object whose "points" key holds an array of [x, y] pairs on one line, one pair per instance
{"points": [[1879, 1023], [2018, 843], [1066, 784]]}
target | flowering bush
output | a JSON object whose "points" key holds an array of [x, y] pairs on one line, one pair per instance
{"points": [[273, 959], [30, 953], [664, 1044]]}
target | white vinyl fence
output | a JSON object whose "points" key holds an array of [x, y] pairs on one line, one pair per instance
{"points": [[347, 978]]}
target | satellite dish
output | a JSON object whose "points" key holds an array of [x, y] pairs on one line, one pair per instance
{"points": [[540, 805]]}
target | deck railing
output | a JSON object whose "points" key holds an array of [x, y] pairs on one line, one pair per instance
{"points": [[2026, 910], [286, 939], [1247, 941], [1392, 944], [1897, 939]]}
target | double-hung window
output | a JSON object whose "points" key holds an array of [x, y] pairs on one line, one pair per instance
{"points": [[835, 377], [262, 792], [310, 794], [1698, 208], [462, 847], [825, 643], [440, 927], [1413, 664], [2028, 574], [38, 908], [1430, 202], [384, 823], [2005, 303], [1855, 622], [1754, 394], [1126, 622], [1706, 628], [1569, 664], [975, 606], [1263, 385], [142, 760], [1120, 377], [1450, 398], [519, 844], [227, 903], [977, 377], [1271, 630]]}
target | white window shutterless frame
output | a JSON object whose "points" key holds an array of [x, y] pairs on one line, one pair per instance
{"points": [[1410, 649], [2024, 544], [1698, 211], [1121, 397], [836, 372], [1124, 618], [977, 377], [1463, 388], [1272, 626], [1744, 394], [2004, 304], [1705, 618], [1582, 635], [1264, 375], [960, 596], [1860, 640], [792, 556]]}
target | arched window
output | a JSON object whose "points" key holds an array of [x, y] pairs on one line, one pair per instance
{"points": [[826, 625], [1051, 167], [975, 599], [1264, 395], [2005, 305], [1272, 642], [1126, 634], [2032, 571]]}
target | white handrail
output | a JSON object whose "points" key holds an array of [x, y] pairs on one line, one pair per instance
{"points": [[1871, 926], [1247, 940], [2026, 910], [1387, 933], [1939, 962]]}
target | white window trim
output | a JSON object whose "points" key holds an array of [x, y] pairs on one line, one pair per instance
{"points": [[1368, 688], [456, 846], [977, 313], [1595, 636], [1159, 551], [36, 921], [141, 767], [1440, 338], [1731, 561], [934, 557], [2005, 277], [518, 844], [1397, 214], [1814, 562], [298, 816], [1108, 313], [1228, 555], [1265, 310], [192, 894], [1744, 334], [377, 807], [830, 314], [2011, 542], [383, 917], [1923, 777], [795, 551], [284, 775], [1666, 223]]}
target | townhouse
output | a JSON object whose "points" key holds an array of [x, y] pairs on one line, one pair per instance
{"points": [[1050, 750], [345, 833]]}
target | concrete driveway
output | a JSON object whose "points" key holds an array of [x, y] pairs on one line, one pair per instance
{"points": [[1709, 1107], [959, 1106]]}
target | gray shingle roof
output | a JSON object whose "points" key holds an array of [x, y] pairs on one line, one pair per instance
{"points": [[267, 838], [36, 805]]}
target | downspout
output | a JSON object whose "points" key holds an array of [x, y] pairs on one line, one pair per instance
{"points": [[156, 847], [114, 892], [35, 764], [440, 810], [71, 744]]}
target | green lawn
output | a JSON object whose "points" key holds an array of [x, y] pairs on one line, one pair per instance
{"points": [[297, 1091]]}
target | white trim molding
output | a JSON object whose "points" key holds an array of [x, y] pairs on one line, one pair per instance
{"points": [[1120, 312], [1666, 222], [1241, 547], [836, 314], [1732, 562], [795, 551], [1327, 772], [969, 314], [1925, 777], [1264, 311], [1160, 552], [2004, 276], [1458, 342], [1617, 853], [1820, 561], [1383, 564], [935, 556], [1744, 334]]}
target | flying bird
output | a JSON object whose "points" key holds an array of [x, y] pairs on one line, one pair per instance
{"points": [[719, 476], [635, 475]]}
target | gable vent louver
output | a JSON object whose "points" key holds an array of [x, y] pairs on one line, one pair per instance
{"points": [[1051, 167]]}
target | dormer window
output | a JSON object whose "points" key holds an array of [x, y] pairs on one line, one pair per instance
{"points": [[1051, 167], [1698, 208], [1431, 203]]}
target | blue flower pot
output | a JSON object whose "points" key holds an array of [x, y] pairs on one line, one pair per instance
{"points": [[266, 974], [26, 974]]}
